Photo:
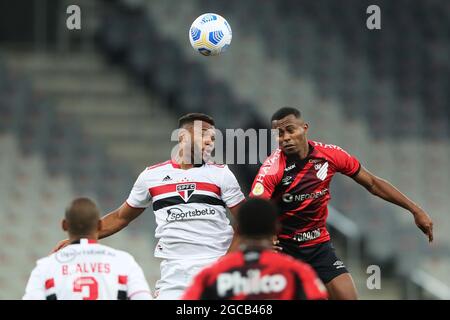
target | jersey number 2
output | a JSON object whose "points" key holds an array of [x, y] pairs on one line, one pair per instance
{"points": [[89, 282]]}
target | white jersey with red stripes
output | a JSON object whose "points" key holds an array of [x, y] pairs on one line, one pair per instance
{"points": [[87, 270], [190, 208]]}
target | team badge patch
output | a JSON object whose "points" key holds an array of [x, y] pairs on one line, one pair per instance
{"points": [[258, 189], [323, 171], [186, 190]]}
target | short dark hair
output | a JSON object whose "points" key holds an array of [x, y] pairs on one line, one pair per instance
{"points": [[257, 218], [82, 216], [191, 117], [284, 112]]}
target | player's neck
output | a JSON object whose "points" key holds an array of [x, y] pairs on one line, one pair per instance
{"points": [[185, 164], [248, 244], [73, 238], [304, 150]]}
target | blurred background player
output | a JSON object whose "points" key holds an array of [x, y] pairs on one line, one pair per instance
{"points": [[189, 197], [85, 269], [256, 271], [297, 178]]}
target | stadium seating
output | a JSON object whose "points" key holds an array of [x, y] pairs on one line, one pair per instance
{"points": [[47, 160]]}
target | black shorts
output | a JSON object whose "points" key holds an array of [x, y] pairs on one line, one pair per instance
{"points": [[322, 257]]}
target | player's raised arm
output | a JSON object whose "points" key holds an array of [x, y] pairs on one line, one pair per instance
{"points": [[138, 200], [385, 190], [118, 219], [111, 223]]}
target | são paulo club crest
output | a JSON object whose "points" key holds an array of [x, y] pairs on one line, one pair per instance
{"points": [[185, 190]]}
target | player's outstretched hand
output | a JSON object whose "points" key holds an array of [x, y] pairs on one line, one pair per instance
{"points": [[424, 222], [60, 245]]}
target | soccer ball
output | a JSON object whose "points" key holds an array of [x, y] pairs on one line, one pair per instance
{"points": [[210, 34]]}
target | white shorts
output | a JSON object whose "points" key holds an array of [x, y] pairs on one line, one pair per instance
{"points": [[176, 276]]}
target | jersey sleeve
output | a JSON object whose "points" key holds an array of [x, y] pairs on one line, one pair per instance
{"points": [[35, 289], [139, 196], [269, 175], [346, 163], [230, 190], [313, 287], [138, 288]]}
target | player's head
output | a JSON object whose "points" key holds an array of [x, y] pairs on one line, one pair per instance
{"points": [[292, 129], [196, 136], [82, 219], [257, 219]]}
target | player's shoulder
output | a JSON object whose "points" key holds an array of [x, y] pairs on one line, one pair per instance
{"points": [[218, 169], [325, 146], [45, 261], [216, 166], [327, 149], [160, 165], [156, 169], [275, 156]]}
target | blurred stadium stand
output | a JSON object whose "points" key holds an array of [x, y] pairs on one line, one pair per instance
{"points": [[99, 105]]}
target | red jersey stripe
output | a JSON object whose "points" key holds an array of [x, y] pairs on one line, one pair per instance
{"points": [[123, 279], [204, 186], [50, 283], [299, 177]]}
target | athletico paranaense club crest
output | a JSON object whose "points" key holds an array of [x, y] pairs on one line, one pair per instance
{"points": [[186, 190]]}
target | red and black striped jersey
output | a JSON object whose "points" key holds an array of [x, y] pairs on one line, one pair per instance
{"points": [[256, 275], [300, 188]]}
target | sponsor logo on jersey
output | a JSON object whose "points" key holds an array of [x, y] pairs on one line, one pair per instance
{"points": [[167, 178], [292, 166], [271, 164], [286, 180], [176, 214], [288, 197], [258, 189], [236, 283], [307, 235], [66, 255], [185, 190], [339, 264]]}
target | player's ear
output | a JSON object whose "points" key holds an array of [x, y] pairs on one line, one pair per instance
{"points": [[64, 225]]}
